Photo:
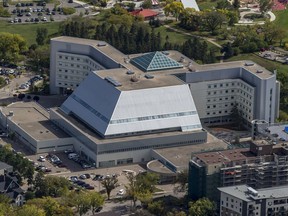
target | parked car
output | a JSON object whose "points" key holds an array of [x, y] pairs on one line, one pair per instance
{"points": [[83, 176], [89, 187], [73, 155], [41, 159], [68, 151], [121, 192], [74, 178]]}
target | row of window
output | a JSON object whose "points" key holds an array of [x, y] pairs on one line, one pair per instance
{"points": [[80, 73], [230, 91], [60, 76], [220, 85], [68, 85], [152, 146], [84, 59], [145, 118]]}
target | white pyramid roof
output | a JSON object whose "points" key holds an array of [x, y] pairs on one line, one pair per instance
{"points": [[110, 111]]}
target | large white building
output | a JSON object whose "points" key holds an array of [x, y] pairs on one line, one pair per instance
{"points": [[124, 106], [216, 88]]}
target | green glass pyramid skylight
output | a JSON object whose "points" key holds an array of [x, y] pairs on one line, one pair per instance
{"points": [[155, 61]]}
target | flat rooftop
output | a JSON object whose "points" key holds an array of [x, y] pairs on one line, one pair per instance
{"points": [[180, 156], [158, 167], [100, 140], [241, 191], [138, 80], [225, 156], [34, 119]]}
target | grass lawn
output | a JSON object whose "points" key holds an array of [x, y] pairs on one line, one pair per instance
{"points": [[270, 65], [209, 4], [174, 37], [28, 31], [282, 21]]}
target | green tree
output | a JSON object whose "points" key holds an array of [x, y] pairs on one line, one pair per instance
{"points": [[182, 180], [5, 209], [80, 200], [236, 4], [202, 207], [175, 8], [273, 32], [213, 20], [110, 183], [265, 5], [141, 187], [48, 204], [157, 208], [11, 46], [30, 210], [41, 35], [50, 185], [96, 200], [147, 4]]}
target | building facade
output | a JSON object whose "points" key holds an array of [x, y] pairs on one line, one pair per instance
{"points": [[217, 89], [261, 166], [243, 200]]}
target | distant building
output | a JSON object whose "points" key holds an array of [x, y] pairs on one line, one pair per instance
{"points": [[190, 4], [243, 200], [261, 166], [9, 185], [5, 168], [146, 13]]}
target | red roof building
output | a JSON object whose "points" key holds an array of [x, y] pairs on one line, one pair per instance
{"points": [[146, 13]]}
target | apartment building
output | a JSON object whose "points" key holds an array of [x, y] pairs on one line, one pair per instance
{"points": [[242, 200], [262, 166]]}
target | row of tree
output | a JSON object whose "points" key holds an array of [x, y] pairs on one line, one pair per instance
{"points": [[137, 38], [73, 202]]}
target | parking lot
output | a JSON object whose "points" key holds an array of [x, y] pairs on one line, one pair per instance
{"points": [[41, 12], [273, 56], [72, 169]]}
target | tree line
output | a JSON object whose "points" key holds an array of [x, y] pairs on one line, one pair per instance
{"points": [[138, 38]]}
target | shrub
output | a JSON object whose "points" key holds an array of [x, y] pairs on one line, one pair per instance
{"points": [[69, 11]]}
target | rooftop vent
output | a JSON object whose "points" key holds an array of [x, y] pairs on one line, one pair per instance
{"points": [[182, 59], [101, 44], [165, 52], [126, 60], [149, 76], [112, 81], [249, 63], [259, 71], [134, 79], [191, 67], [252, 191], [129, 72]]}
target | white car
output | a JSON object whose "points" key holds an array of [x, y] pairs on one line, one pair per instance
{"points": [[121, 192], [42, 158]]}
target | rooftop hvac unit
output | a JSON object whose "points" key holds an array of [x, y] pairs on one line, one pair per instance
{"points": [[252, 191]]}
